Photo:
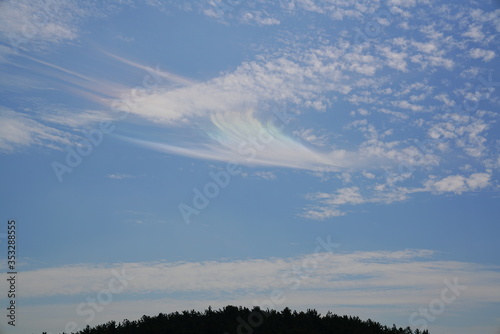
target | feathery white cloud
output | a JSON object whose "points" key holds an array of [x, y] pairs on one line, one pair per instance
{"points": [[400, 281], [458, 184], [18, 130], [38, 25], [334, 272], [485, 55]]}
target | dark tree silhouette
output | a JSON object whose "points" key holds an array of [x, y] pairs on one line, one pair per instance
{"points": [[241, 320]]}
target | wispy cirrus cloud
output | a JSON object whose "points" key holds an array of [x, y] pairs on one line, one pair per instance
{"points": [[353, 272], [20, 131], [118, 176], [244, 139], [363, 283], [233, 116], [39, 25]]}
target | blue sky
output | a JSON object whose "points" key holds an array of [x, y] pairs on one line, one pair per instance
{"points": [[343, 155]]}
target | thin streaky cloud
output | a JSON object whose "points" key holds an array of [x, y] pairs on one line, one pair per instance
{"points": [[243, 139], [60, 68], [357, 273], [162, 73]]}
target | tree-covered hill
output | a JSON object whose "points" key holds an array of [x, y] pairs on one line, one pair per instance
{"points": [[241, 320]]}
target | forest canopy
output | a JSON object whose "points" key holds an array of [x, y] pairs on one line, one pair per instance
{"points": [[242, 320]]}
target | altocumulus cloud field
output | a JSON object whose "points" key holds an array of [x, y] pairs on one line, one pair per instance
{"points": [[163, 155]]}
